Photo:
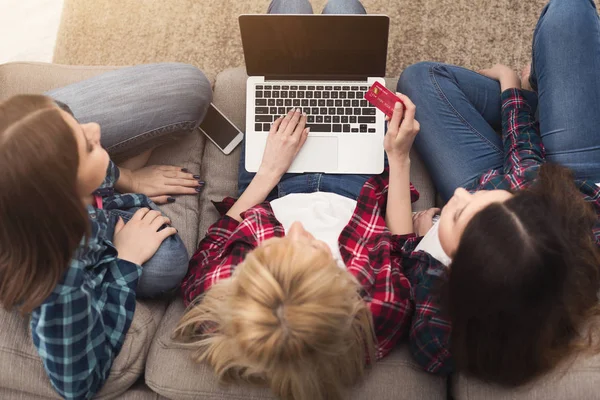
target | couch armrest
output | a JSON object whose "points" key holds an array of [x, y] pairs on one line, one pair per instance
{"points": [[35, 77]]}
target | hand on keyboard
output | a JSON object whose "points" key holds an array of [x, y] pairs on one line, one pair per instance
{"points": [[330, 108], [286, 137]]}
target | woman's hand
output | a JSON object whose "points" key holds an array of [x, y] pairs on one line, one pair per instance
{"points": [[525, 74], [401, 132], [137, 240], [423, 221], [507, 77], [159, 182], [286, 137]]}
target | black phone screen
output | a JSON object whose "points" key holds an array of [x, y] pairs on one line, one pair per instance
{"points": [[218, 128]]}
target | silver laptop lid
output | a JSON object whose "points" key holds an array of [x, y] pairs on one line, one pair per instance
{"points": [[324, 47]]}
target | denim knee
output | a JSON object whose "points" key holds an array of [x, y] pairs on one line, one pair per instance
{"points": [[165, 270], [414, 77], [561, 20], [344, 7], [290, 7], [191, 90]]}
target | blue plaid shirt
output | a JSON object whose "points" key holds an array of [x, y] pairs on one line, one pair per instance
{"points": [[80, 328]]}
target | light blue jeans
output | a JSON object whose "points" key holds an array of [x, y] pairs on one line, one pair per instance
{"points": [[164, 271], [304, 7], [139, 108], [459, 110], [345, 185]]}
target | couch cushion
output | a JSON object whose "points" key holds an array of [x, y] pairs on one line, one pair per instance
{"points": [[187, 152], [220, 171], [139, 391], [22, 369], [578, 379], [171, 372]]}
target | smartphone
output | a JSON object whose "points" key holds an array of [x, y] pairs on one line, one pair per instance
{"points": [[220, 130]]}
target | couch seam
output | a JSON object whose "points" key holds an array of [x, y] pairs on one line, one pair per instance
{"points": [[194, 393], [116, 392]]}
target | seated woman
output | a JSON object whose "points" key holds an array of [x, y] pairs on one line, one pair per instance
{"points": [[79, 238], [301, 291], [521, 228]]}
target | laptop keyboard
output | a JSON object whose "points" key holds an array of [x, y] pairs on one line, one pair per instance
{"points": [[329, 108]]}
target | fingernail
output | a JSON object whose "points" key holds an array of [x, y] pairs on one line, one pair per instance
{"points": [[307, 130], [196, 176], [298, 110], [397, 105], [201, 183], [185, 170], [170, 200], [199, 189]]}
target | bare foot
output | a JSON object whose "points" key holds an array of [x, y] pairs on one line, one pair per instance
{"points": [[525, 73]]}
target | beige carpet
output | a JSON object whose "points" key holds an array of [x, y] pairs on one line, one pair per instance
{"points": [[471, 33]]}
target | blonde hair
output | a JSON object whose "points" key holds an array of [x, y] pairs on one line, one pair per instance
{"points": [[288, 318]]}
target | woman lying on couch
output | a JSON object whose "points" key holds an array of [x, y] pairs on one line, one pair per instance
{"points": [[522, 288], [75, 252]]}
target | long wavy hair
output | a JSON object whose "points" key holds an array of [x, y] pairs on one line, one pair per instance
{"points": [[522, 294], [43, 218], [287, 318]]}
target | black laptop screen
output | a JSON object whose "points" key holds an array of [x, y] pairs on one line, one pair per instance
{"points": [[304, 46]]}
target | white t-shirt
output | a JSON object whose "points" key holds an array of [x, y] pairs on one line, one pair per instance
{"points": [[325, 215], [322, 214], [431, 244]]}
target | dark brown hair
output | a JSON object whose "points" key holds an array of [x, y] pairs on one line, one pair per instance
{"points": [[524, 283], [43, 218]]}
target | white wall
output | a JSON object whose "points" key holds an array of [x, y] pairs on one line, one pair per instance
{"points": [[28, 29]]}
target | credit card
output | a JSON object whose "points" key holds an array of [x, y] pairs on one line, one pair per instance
{"points": [[382, 98]]}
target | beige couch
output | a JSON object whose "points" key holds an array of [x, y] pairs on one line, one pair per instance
{"points": [[151, 366]]}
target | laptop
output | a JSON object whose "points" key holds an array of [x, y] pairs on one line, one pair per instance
{"points": [[322, 64]]}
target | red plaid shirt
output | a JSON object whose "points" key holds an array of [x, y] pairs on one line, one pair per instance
{"points": [[370, 252], [398, 283]]}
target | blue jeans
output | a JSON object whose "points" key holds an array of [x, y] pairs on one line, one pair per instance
{"points": [[167, 267], [139, 108], [304, 7], [459, 110], [345, 185]]}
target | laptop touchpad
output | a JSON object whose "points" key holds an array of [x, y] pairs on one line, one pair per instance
{"points": [[319, 154]]}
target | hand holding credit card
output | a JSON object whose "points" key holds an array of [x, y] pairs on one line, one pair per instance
{"points": [[382, 98]]}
